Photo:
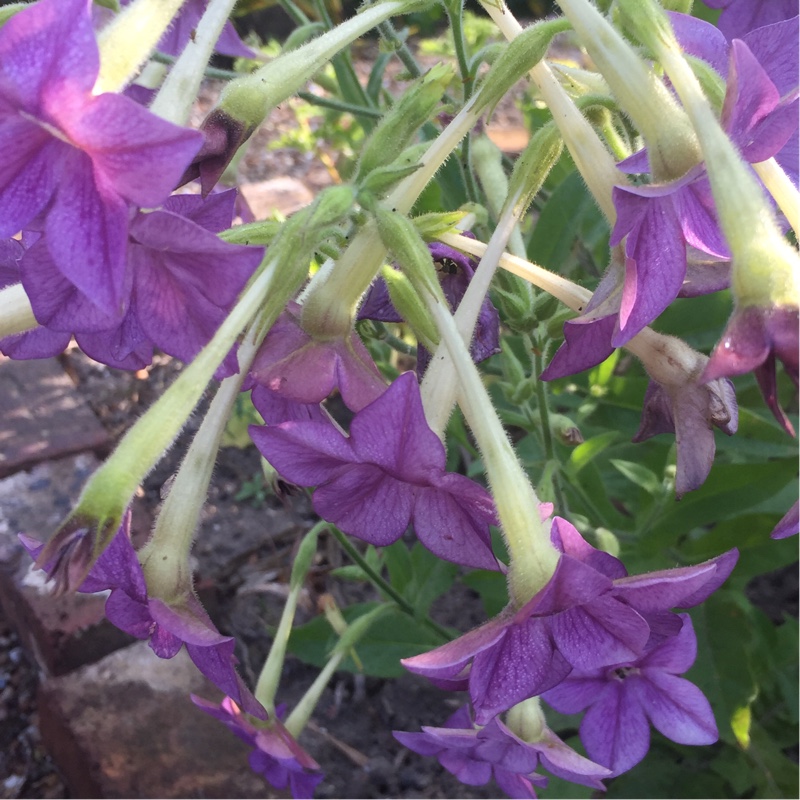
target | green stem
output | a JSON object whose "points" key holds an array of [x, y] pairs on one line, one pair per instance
{"points": [[455, 13], [383, 585], [270, 676], [386, 29], [295, 12], [340, 105], [302, 712]]}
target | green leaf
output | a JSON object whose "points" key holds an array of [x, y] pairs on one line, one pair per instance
{"points": [[492, 588], [584, 453], [381, 648], [639, 475], [722, 670]]}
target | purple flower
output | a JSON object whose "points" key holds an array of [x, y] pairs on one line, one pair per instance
{"points": [[306, 370], [624, 699], [589, 615], [658, 222], [475, 754], [455, 272], [788, 526], [760, 108], [78, 159], [741, 16], [389, 473], [753, 339], [276, 754], [181, 281], [168, 625]]}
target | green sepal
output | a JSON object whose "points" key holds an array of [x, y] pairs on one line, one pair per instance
{"points": [[404, 242], [518, 58], [304, 558], [533, 166], [111, 4], [410, 307], [383, 178], [261, 233], [432, 226], [359, 627], [299, 36]]}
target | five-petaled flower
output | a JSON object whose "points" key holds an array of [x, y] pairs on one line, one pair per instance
{"points": [[78, 160], [623, 699], [389, 473], [276, 755]]}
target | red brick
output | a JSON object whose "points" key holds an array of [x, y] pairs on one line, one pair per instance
{"points": [[44, 416], [125, 727]]}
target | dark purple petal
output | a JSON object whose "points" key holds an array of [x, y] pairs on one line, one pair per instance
{"points": [[86, 229], [275, 408], [38, 343], [586, 344], [215, 213], [566, 538], [676, 654], [452, 520], [757, 122], [560, 759], [576, 692], [393, 433], [702, 40], [742, 16], [134, 153], [304, 453], [46, 51], [776, 48], [682, 587], [123, 347], [522, 664], [367, 503], [599, 633]]}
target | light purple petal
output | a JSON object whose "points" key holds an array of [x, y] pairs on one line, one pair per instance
{"points": [[676, 707], [135, 154], [788, 526], [676, 654], [615, 731], [576, 692], [776, 48], [702, 40]]}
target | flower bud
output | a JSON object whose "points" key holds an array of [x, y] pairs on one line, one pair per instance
{"points": [[411, 308], [403, 120]]}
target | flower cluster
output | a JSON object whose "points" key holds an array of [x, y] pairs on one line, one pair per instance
{"points": [[702, 187]]}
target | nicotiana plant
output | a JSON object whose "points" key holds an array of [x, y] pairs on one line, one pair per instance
{"points": [[658, 194]]}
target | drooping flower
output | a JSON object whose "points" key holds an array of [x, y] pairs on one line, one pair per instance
{"points": [[689, 412], [475, 754], [752, 341], [389, 473], [305, 370], [455, 271], [80, 160], [168, 624], [276, 755], [624, 699], [590, 615], [181, 281]]}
